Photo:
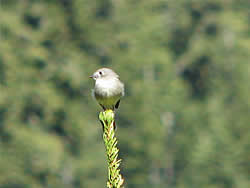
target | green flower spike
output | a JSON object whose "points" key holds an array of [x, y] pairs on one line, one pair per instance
{"points": [[115, 179]]}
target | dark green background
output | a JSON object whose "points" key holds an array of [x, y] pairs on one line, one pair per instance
{"points": [[185, 119]]}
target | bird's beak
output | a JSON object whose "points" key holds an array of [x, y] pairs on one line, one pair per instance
{"points": [[91, 76]]}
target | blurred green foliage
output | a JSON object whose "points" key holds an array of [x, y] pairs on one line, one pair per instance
{"points": [[184, 121]]}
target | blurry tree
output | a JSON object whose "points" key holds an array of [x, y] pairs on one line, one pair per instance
{"points": [[184, 121]]}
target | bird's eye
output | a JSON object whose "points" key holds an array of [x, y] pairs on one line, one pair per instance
{"points": [[100, 73]]}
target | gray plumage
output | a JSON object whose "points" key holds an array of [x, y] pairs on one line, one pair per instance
{"points": [[108, 88]]}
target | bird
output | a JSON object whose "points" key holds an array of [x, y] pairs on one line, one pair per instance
{"points": [[108, 89]]}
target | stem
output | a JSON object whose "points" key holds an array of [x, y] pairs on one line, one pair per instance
{"points": [[115, 179]]}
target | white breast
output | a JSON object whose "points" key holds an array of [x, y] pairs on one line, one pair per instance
{"points": [[108, 87]]}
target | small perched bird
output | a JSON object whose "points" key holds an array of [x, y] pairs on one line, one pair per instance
{"points": [[108, 88]]}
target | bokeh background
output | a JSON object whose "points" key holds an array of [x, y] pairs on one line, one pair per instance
{"points": [[185, 120]]}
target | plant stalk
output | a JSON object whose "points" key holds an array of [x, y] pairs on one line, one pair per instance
{"points": [[115, 179]]}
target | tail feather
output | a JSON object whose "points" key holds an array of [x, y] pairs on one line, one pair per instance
{"points": [[117, 104]]}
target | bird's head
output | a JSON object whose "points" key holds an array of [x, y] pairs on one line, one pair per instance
{"points": [[104, 73]]}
